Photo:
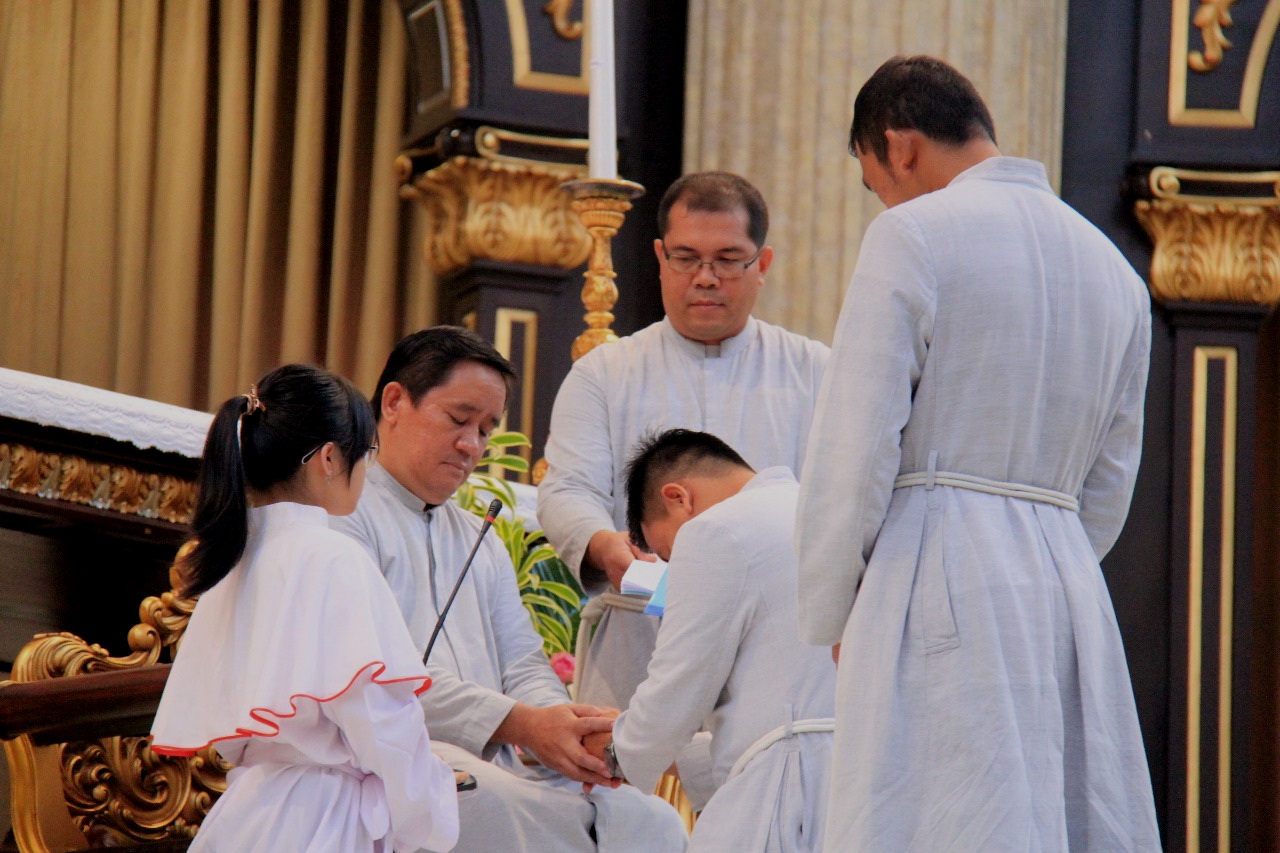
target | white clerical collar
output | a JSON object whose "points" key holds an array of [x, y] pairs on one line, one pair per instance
{"points": [[378, 476], [728, 348], [774, 476], [1017, 170]]}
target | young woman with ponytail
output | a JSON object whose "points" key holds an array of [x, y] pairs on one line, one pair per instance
{"points": [[296, 665]]}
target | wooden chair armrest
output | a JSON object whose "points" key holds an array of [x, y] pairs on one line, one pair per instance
{"points": [[93, 705]]}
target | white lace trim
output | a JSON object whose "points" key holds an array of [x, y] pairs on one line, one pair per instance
{"points": [[69, 405]]}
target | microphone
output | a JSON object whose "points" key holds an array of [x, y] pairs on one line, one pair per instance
{"points": [[494, 509]]}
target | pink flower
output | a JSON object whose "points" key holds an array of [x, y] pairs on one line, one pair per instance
{"points": [[564, 665]]}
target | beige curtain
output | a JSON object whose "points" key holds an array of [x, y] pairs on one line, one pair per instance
{"points": [[769, 94], [192, 192]]}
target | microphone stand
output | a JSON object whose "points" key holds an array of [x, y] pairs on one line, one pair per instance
{"points": [[494, 508]]}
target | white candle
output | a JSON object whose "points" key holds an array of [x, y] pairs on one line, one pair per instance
{"points": [[602, 115]]}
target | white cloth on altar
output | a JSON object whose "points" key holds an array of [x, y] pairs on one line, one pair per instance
{"points": [[82, 408], [983, 697], [487, 658], [756, 391], [298, 669], [728, 658]]}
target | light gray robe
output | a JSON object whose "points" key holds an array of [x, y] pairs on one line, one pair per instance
{"points": [[755, 391], [728, 657], [983, 699], [487, 658]]}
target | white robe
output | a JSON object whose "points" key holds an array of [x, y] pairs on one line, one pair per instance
{"points": [[983, 699], [487, 658], [728, 658], [298, 669], [756, 391]]}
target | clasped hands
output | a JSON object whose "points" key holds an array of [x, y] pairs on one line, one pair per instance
{"points": [[569, 739]]}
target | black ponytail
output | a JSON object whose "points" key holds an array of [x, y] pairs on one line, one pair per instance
{"points": [[258, 441]]}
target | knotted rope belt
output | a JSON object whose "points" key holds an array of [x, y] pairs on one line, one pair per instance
{"points": [[786, 730], [933, 477]]}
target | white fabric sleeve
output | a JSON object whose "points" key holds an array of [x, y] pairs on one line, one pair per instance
{"points": [[1108, 487], [466, 714], [694, 763], [576, 499], [384, 727], [697, 647], [855, 445]]}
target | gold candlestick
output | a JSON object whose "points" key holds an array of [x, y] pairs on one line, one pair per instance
{"points": [[602, 205]]}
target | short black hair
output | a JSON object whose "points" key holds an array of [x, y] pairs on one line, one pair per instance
{"points": [[660, 457], [424, 359], [917, 93], [717, 192]]}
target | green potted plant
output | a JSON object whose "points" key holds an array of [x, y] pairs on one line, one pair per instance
{"points": [[548, 589]]}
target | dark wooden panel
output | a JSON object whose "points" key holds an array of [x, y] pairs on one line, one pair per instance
{"points": [[1159, 138]]}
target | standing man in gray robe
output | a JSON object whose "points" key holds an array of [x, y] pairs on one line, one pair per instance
{"points": [[709, 365], [440, 396], [728, 656], [972, 459]]}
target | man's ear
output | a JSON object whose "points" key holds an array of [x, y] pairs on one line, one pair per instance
{"points": [[393, 396], [765, 259], [904, 149], [658, 251], [676, 498]]}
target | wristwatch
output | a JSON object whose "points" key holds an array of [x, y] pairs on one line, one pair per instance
{"points": [[611, 762]]}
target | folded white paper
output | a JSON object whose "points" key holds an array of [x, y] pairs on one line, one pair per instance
{"points": [[642, 577]]}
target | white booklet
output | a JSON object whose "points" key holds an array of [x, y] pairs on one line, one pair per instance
{"points": [[642, 577]]}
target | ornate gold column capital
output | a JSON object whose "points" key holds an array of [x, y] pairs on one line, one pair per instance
{"points": [[511, 212], [1213, 246]]}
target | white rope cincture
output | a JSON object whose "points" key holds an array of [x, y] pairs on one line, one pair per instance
{"points": [[929, 479], [789, 729]]}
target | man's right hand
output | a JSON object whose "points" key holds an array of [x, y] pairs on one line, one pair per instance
{"points": [[554, 734], [612, 552]]}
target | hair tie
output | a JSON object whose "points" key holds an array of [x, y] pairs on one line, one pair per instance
{"points": [[255, 405]]}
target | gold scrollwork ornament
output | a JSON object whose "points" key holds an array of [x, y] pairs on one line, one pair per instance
{"points": [[559, 12], [1211, 19]]}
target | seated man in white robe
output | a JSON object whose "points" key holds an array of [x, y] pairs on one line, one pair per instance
{"points": [[728, 655], [441, 394], [708, 365]]}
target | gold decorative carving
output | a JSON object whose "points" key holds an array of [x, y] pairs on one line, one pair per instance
{"points": [[1211, 18], [1167, 182], [602, 204], [116, 788], [522, 73], [559, 12], [65, 477], [1207, 252], [460, 76], [1211, 13], [500, 211], [118, 791], [489, 141]]}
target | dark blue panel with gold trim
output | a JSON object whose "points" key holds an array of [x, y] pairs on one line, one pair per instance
{"points": [[1209, 81], [515, 63]]}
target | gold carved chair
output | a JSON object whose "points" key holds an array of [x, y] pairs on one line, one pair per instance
{"points": [[73, 721]]}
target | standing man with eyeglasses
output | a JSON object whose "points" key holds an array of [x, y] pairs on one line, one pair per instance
{"points": [[708, 366]]}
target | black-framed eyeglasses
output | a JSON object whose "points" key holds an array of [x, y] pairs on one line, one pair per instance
{"points": [[370, 455], [721, 268]]}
